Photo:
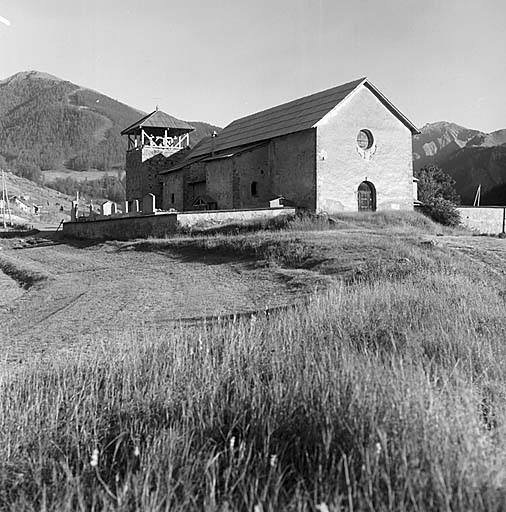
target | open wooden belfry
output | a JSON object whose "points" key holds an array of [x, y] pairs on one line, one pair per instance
{"points": [[158, 130]]}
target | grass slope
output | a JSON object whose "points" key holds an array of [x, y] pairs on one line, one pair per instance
{"points": [[48, 200], [38, 194], [383, 392]]}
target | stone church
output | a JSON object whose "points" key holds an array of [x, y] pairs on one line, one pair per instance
{"points": [[344, 149]]}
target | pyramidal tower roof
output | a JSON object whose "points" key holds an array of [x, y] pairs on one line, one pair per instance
{"points": [[158, 119]]}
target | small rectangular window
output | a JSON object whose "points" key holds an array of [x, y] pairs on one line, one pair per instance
{"points": [[172, 198]]}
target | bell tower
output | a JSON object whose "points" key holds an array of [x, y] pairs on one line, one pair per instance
{"points": [[156, 134]]}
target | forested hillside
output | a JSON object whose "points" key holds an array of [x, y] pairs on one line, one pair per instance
{"points": [[472, 158], [48, 123]]}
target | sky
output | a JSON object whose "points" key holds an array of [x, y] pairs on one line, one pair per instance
{"points": [[217, 60]]}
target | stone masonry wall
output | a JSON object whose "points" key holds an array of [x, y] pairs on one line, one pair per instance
{"points": [[194, 173], [252, 167], [284, 166], [219, 176], [216, 218], [341, 168], [172, 184], [228, 181], [292, 160], [161, 225], [122, 228], [488, 220], [134, 178], [142, 171]]}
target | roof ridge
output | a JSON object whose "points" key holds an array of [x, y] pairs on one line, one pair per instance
{"points": [[358, 81], [293, 116]]}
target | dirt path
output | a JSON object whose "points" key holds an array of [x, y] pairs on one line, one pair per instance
{"points": [[94, 291], [482, 249]]}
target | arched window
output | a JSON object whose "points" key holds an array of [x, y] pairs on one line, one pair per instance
{"points": [[254, 189], [366, 197]]}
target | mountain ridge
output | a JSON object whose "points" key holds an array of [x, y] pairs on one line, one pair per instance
{"points": [[51, 123], [470, 157]]}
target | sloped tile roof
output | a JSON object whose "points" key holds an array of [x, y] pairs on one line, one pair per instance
{"points": [[291, 117], [294, 116], [158, 119], [207, 157]]}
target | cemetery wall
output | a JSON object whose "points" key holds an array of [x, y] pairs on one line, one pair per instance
{"points": [[486, 220], [160, 225]]}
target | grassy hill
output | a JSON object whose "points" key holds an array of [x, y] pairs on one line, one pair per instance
{"points": [[383, 390], [48, 201], [35, 193], [55, 124]]}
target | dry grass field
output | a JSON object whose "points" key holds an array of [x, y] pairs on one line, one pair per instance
{"points": [[378, 385]]}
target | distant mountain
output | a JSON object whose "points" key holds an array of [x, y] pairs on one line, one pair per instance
{"points": [[438, 141], [53, 123], [471, 157]]}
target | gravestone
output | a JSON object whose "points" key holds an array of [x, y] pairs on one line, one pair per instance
{"points": [[126, 209], [106, 208], [135, 206], [74, 211], [148, 203]]}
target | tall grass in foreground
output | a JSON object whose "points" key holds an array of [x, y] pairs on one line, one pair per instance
{"points": [[387, 394]]}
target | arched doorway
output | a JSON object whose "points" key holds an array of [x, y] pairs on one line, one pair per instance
{"points": [[366, 197]]}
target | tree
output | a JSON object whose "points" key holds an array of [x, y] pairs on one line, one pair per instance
{"points": [[434, 182], [29, 171], [436, 191]]}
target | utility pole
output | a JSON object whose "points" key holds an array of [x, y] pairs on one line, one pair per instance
{"points": [[477, 197], [5, 202]]}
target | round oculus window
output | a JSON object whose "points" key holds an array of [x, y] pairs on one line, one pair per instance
{"points": [[365, 140]]}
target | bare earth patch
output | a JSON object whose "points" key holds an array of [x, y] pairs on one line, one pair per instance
{"points": [[106, 288], [90, 292]]}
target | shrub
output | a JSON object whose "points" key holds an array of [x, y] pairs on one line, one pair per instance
{"points": [[443, 211], [434, 182], [436, 190]]}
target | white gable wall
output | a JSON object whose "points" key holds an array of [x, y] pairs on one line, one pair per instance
{"points": [[340, 168]]}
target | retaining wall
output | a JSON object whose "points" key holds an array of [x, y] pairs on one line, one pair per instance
{"points": [[489, 220], [162, 224]]}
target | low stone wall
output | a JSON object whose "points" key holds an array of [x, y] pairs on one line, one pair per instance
{"points": [[162, 224], [122, 228], [489, 220], [210, 218]]}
